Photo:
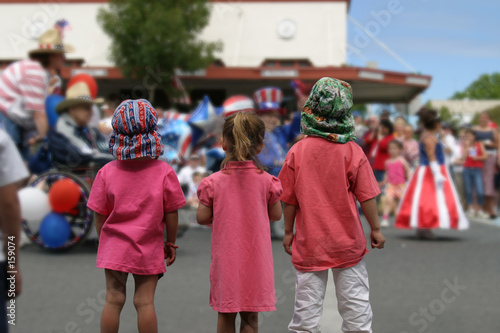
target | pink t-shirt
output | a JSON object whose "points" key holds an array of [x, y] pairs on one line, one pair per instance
{"points": [[396, 173], [324, 179], [134, 195], [241, 270]]}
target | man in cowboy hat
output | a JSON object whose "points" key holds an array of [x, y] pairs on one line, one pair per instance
{"points": [[72, 143], [25, 84]]}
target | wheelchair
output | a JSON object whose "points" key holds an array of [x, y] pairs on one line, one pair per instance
{"points": [[80, 218]]}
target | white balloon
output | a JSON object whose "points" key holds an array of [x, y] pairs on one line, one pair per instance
{"points": [[34, 206]]}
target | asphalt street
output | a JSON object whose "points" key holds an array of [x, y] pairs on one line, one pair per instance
{"points": [[443, 286]]}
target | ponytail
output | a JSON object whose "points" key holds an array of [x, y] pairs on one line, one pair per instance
{"points": [[242, 144], [243, 135]]}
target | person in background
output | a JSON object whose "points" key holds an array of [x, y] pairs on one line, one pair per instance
{"points": [[488, 135], [361, 129], [185, 175], [72, 142], [12, 173], [399, 127], [473, 162], [192, 197], [380, 152], [370, 137], [268, 108], [450, 146], [397, 173], [457, 166], [430, 200], [410, 146], [105, 126], [24, 85]]}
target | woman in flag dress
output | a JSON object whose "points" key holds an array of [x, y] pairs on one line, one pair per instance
{"points": [[430, 200]]}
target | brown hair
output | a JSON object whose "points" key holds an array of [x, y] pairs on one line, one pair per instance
{"points": [[243, 135], [397, 143], [429, 118]]}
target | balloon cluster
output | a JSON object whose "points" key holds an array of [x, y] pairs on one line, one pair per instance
{"points": [[182, 133], [44, 212]]}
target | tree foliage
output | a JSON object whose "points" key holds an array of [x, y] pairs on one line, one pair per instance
{"points": [[151, 39], [487, 86]]}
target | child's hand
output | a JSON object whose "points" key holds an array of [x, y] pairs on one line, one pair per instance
{"points": [[287, 242], [378, 240], [170, 253]]}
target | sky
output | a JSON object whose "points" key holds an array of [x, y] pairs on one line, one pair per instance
{"points": [[454, 41]]}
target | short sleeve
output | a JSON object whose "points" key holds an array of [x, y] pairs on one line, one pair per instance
{"points": [[275, 191], [287, 178], [12, 168], [98, 198], [173, 197], [363, 182], [206, 192]]}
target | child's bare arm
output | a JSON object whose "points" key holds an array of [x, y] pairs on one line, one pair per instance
{"points": [[275, 211], [204, 214], [171, 223], [290, 212], [369, 208], [99, 222]]}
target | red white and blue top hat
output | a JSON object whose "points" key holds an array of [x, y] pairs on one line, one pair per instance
{"points": [[238, 103], [268, 99]]}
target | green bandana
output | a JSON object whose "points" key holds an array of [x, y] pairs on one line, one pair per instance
{"points": [[327, 112]]}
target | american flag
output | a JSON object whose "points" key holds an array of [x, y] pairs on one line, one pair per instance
{"points": [[184, 96], [62, 25]]}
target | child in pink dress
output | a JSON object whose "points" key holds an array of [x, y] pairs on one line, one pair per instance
{"points": [[322, 177], [397, 173], [134, 199], [239, 201]]}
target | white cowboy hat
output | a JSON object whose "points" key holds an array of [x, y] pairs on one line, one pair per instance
{"points": [[77, 94], [51, 42]]}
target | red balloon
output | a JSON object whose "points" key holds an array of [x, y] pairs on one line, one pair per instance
{"points": [[64, 195], [85, 78]]}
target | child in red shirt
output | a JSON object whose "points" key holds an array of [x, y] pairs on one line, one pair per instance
{"points": [[322, 177]]}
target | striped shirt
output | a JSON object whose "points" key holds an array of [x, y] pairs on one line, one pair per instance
{"points": [[24, 85]]}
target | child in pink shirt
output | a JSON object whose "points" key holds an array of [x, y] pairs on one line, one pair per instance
{"points": [[322, 177], [397, 173], [134, 199], [239, 201]]}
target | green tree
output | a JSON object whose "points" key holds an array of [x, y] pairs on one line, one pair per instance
{"points": [[487, 86], [151, 39]]}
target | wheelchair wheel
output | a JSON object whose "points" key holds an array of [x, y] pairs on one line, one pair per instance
{"points": [[80, 218]]}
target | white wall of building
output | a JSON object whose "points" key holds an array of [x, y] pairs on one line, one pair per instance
{"points": [[249, 31]]}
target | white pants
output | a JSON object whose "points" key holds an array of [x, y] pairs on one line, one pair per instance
{"points": [[352, 289]]}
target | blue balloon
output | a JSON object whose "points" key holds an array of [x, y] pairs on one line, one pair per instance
{"points": [[205, 117], [50, 108], [178, 134], [54, 230]]}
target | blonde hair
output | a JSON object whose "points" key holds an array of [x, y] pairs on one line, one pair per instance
{"points": [[243, 134]]}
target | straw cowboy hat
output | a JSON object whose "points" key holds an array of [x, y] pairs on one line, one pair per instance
{"points": [[51, 42], [77, 94]]}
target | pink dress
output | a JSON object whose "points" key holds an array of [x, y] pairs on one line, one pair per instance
{"points": [[242, 270], [134, 195]]}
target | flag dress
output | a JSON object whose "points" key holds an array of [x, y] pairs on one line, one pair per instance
{"points": [[426, 205]]}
